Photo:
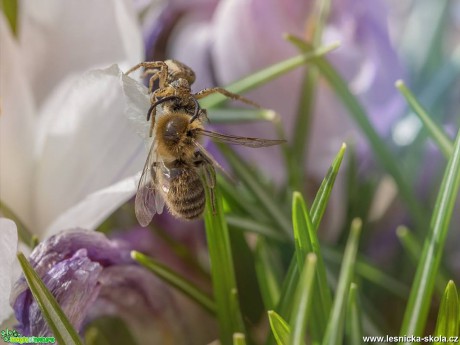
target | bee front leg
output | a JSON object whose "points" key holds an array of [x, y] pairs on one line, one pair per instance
{"points": [[228, 94]]}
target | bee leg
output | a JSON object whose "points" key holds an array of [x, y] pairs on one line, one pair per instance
{"points": [[231, 95], [159, 69]]}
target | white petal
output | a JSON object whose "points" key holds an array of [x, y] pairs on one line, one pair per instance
{"points": [[62, 37], [17, 125], [9, 266], [96, 207], [88, 143]]}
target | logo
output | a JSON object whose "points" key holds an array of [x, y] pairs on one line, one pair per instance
{"points": [[14, 337]]}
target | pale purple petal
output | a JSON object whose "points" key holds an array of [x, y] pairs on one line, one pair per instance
{"points": [[59, 38], [9, 268], [17, 124], [87, 143]]}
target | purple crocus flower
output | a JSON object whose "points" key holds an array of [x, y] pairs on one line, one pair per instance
{"points": [[92, 276]]}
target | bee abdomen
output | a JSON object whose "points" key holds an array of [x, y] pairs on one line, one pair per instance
{"points": [[187, 198]]}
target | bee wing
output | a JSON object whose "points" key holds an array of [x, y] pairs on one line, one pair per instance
{"points": [[236, 140], [149, 200], [209, 173]]}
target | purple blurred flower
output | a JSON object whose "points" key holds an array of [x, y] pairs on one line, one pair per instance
{"points": [[224, 41], [92, 276]]}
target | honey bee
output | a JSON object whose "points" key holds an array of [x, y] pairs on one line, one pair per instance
{"points": [[178, 168]]}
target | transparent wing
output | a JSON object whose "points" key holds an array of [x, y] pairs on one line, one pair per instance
{"points": [[149, 200], [236, 140]]}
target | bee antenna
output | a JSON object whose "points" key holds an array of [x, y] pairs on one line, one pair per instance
{"points": [[153, 106], [197, 110]]}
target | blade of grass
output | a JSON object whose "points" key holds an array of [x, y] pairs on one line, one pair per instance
{"points": [[61, 327], [108, 330], [222, 270], [357, 112], [175, 280], [335, 325], [317, 210], [413, 247], [448, 315], [258, 190], [303, 299], [436, 133], [297, 156], [10, 9], [369, 272], [24, 234], [239, 339], [279, 327], [250, 225], [265, 75], [354, 327], [306, 241], [237, 115], [266, 274], [422, 288]]}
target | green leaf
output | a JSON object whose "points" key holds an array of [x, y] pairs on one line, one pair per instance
{"points": [[324, 192], [61, 327], [266, 274], [263, 196], [448, 315], [414, 248], [265, 75], [422, 288], [317, 210], [437, 134], [10, 9], [359, 115], [279, 327], [236, 115], [303, 299], [335, 325], [222, 270], [353, 326], [239, 339], [297, 154], [175, 280], [24, 234]]}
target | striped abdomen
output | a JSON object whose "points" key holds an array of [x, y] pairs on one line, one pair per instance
{"points": [[186, 197]]}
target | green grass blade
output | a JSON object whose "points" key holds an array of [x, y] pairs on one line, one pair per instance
{"points": [[279, 327], [335, 325], [251, 225], [222, 271], [317, 210], [353, 326], [448, 315], [61, 327], [266, 275], [357, 112], [436, 133], [10, 9], [422, 288], [23, 233], [369, 272], [239, 339], [262, 195], [239, 115], [306, 241], [414, 248], [175, 280], [303, 299], [297, 156], [267, 74], [324, 192]]}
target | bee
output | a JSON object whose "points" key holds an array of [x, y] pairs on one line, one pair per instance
{"points": [[178, 168], [174, 88]]}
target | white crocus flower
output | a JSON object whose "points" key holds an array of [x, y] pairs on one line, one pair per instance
{"points": [[68, 154]]}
